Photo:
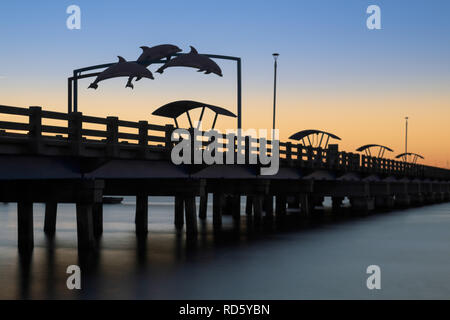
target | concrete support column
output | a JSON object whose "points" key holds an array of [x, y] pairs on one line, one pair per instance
{"points": [[306, 206], [203, 207], [417, 199], [317, 200], [249, 205], [268, 206], [280, 205], [25, 226], [293, 202], [402, 200], [217, 209], [236, 207], [179, 212], [50, 218], [85, 230], [258, 205], [384, 202], [430, 198], [191, 216], [141, 214], [97, 219], [363, 204], [336, 203], [89, 194], [227, 205]]}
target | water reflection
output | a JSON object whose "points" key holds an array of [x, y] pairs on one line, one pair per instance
{"points": [[244, 259]]}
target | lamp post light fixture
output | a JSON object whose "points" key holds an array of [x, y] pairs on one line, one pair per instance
{"points": [[275, 57], [406, 138]]}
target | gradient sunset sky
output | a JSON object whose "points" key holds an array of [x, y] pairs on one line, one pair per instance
{"points": [[334, 73]]}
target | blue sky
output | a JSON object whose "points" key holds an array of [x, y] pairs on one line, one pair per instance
{"points": [[318, 38], [328, 58]]}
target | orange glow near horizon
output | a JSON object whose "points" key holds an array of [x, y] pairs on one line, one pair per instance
{"points": [[357, 119]]}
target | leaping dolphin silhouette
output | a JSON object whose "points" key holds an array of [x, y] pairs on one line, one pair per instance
{"points": [[193, 60], [122, 68], [149, 55]]}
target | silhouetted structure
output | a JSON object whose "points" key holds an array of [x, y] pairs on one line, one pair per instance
{"points": [[55, 164], [381, 149], [414, 156], [193, 59], [175, 109], [312, 137]]}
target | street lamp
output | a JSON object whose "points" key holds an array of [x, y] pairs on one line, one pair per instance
{"points": [[275, 57], [406, 139]]}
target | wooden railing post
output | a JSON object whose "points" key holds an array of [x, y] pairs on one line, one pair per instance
{"points": [[192, 138], [288, 151], [143, 138], [356, 161], [168, 144], [262, 141], [112, 139], [235, 149], [75, 132], [332, 155], [35, 129], [310, 152], [247, 149], [299, 153], [318, 159]]}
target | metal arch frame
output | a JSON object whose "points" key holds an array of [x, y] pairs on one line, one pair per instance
{"points": [[381, 150], [72, 82], [405, 155], [315, 138], [184, 106]]}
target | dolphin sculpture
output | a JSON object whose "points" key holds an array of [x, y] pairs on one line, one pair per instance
{"points": [[122, 68], [155, 53], [193, 60]]}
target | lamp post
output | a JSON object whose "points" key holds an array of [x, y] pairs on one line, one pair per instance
{"points": [[406, 139], [275, 57]]}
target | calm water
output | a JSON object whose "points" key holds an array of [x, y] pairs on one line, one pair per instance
{"points": [[323, 258]]}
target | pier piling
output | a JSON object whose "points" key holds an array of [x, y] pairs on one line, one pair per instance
{"points": [[384, 202], [50, 218], [257, 205], [248, 205], [179, 212], [141, 214], [336, 203], [236, 207], [203, 207], [85, 230], [362, 205], [217, 209], [25, 226], [306, 206], [268, 206], [97, 219], [191, 216], [280, 205]]}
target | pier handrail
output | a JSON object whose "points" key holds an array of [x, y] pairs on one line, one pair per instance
{"points": [[90, 136]]}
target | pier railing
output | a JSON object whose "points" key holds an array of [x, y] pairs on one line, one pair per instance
{"points": [[54, 133]]}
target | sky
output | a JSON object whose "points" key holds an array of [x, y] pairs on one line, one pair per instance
{"points": [[334, 74]]}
